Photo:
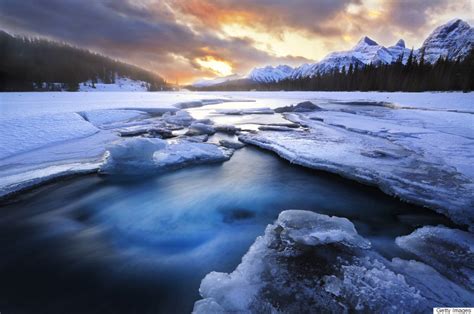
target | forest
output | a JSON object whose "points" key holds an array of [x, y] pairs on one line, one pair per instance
{"points": [[414, 76], [31, 64]]}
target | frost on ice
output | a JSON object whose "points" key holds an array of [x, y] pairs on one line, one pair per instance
{"points": [[311, 262], [449, 251], [139, 156], [420, 155]]}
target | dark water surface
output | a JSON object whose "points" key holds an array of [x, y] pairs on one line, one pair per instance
{"points": [[98, 245]]}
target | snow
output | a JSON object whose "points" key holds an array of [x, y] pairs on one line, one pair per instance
{"points": [[414, 145], [24, 134], [270, 74], [418, 154], [49, 135], [100, 118], [121, 84], [144, 156], [452, 40]]}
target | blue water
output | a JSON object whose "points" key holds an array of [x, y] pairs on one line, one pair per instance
{"points": [[95, 244]]}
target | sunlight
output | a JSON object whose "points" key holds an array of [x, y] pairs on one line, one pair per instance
{"points": [[219, 67]]}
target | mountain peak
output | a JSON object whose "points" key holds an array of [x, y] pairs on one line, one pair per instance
{"points": [[366, 41], [400, 43]]}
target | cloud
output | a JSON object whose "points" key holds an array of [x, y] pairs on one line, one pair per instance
{"points": [[171, 36]]}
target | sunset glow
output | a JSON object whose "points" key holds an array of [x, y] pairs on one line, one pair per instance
{"points": [[184, 40], [220, 68]]}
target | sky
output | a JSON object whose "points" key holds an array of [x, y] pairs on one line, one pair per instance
{"points": [[184, 40]]}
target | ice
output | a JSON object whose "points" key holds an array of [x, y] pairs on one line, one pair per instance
{"points": [[437, 289], [449, 251], [133, 155], [230, 129], [308, 228], [197, 128], [245, 111], [307, 262], [180, 118], [23, 134], [100, 118], [141, 156], [231, 144], [421, 155], [305, 106]]}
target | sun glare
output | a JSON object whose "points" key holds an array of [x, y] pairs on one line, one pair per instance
{"points": [[219, 67]]}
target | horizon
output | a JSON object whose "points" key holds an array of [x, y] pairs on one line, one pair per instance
{"points": [[184, 41]]}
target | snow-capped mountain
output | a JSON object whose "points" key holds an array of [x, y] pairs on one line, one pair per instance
{"points": [[217, 80], [270, 74], [399, 50], [454, 39], [367, 51]]}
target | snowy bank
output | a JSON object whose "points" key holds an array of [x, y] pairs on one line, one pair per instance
{"points": [[422, 156]]}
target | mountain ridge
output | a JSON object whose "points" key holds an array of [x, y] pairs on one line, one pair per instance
{"points": [[452, 40]]}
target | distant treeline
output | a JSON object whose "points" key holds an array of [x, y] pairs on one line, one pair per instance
{"points": [[28, 64], [414, 76]]}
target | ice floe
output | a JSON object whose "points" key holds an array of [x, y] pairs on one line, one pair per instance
{"points": [[308, 262], [140, 156], [422, 156]]}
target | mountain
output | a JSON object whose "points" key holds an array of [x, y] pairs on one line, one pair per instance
{"points": [[216, 81], [270, 74], [28, 64], [452, 40]]}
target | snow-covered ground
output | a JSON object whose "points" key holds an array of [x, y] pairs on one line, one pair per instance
{"points": [[121, 84]]}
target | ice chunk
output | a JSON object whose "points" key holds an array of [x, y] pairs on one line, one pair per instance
{"points": [[197, 128], [181, 118], [133, 155], [305, 106], [307, 262], [245, 111], [439, 290], [308, 228], [449, 251], [139, 156], [230, 129], [231, 144], [189, 153]]}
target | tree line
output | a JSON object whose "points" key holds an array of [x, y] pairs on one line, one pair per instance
{"points": [[414, 76], [28, 64]]}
